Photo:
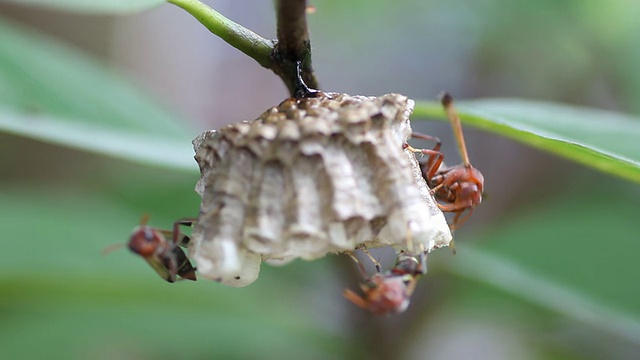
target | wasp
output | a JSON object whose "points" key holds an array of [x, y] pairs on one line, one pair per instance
{"points": [[165, 256], [458, 188], [389, 291]]}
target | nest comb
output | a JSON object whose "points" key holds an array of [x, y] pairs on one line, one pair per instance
{"points": [[309, 177]]}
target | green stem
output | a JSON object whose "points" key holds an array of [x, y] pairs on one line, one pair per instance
{"points": [[241, 38]]}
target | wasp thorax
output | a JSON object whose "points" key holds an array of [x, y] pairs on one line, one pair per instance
{"points": [[310, 177]]}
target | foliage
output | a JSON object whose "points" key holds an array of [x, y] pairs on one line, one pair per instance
{"points": [[94, 7], [570, 255]]}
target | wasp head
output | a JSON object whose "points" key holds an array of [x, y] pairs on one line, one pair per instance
{"points": [[145, 241]]}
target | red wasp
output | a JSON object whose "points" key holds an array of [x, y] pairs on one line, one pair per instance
{"points": [[389, 291], [165, 257], [458, 187]]}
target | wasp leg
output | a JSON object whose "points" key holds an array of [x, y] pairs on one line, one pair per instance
{"points": [[411, 286], [363, 271], [355, 298], [432, 165], [179, 238], [409, 238], [375, 262], [458, 221], [423, 262], [452, 246]]}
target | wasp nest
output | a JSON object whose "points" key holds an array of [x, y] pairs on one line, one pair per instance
{"points": [[310, 177]]}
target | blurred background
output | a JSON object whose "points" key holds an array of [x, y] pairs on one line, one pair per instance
{"points": [[547, 267]]}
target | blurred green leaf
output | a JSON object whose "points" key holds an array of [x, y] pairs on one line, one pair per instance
{"points": [[131, 146], [605, 140], [61, 293], [548, 293], [93, 6], [40, 75], [53, 93], [575, 255]]}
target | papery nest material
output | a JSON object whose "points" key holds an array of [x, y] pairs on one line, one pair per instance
{"points": [[309, 177]]}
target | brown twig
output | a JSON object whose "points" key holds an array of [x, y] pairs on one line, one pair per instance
{"points": [[293, 37], [293, 43]]}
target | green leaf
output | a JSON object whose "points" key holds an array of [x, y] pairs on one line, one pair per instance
{"points": [[53, 93], [130, 146], [546, 292], [59, 291], [575, 255], [93, 6], [601, 139]]}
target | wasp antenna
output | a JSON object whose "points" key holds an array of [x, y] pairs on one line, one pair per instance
{"points": [[447, 102], [144, 219], [446, 99], [111, 248]]}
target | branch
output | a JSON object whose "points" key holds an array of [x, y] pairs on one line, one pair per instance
{"points": [[293, 42], [293, 39]]}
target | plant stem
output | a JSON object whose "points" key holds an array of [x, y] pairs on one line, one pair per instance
{"points": [[293, 39], [241, 38]]}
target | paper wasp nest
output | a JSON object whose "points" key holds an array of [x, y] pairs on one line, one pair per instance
{"points": [[310, 177]]}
